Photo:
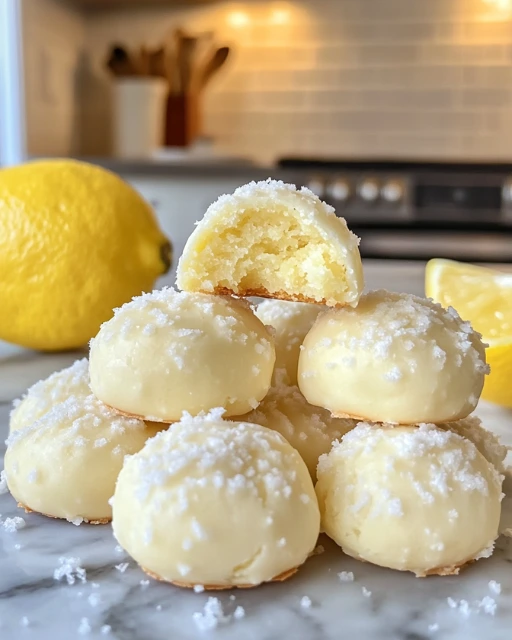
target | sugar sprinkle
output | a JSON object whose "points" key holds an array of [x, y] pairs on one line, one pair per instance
{"points": [[70, 568]]}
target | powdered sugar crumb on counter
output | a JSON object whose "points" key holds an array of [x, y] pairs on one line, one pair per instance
{"points": [[11, 525], [84, 627], [25, 622], [239, 613], [495, 587], [94, 599], [106, 629], [71, 569], [486, 605], [366, 592], [144, 583], [3, 483], [198, 588], [346, 576], [305, 602], [122, 566], [432, 628], [213, 615]]}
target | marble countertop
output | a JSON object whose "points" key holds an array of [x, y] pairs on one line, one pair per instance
{"points": [[35, 606]]}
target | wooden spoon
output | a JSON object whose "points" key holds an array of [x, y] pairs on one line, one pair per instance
{"points": [[120, 62], [185, 50], [211, 67]]}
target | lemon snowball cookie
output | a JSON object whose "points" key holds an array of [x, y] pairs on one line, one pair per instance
{"points": [[65, 464], [485, 441], [40, 397], [395, 358], [418, 499], [168, 352], [310, 430], [291, 322], [273, 240], [216, 503]]}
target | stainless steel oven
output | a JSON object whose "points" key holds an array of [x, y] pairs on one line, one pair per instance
{"points": [[415, 210]]}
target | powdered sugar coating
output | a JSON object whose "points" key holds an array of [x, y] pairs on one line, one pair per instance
{"points": [[202, 352], [271, 190], [485, 441], [41, 396], [238, 467], [395, 358], [291, 322], [73, 437], [406, 497], [3, 483], [309, 429]]}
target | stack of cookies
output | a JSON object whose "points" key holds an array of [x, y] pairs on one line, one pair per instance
{"points": [[206, 419], [404, 488]]}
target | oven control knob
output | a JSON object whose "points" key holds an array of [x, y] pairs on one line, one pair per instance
{"points": [[506, 192], [392, 191], [339, 190], [369, 190], [317, 186]]}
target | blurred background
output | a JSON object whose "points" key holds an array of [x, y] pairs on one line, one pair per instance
{"points": [[397, 112]]}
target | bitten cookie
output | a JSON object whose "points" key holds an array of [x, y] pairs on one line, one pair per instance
{"points": [[273, 240]]}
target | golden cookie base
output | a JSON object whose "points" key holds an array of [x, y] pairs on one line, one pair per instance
{"points": [[28, 510], [261, 292], [221, 587], [126, 414], [379, 423], [454, 570]]}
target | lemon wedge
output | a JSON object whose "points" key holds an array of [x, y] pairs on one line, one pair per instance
{"points": [[484, 297]]}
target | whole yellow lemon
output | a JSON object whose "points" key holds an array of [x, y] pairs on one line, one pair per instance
{"points": [[75, 241]]}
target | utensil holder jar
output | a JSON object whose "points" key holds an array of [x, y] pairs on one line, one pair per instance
{"points": [[139, 107], [182, 119]]}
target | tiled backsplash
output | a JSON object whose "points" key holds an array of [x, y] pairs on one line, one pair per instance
{"points": [[394, 78]]}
